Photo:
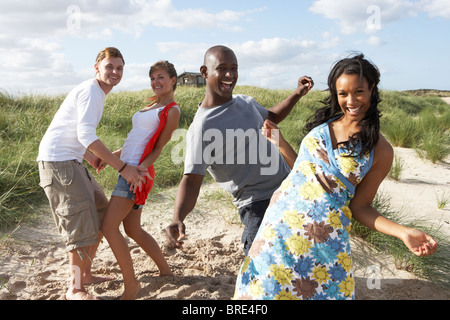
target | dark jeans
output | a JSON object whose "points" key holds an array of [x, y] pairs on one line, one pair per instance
{"points": [[252, 216]]}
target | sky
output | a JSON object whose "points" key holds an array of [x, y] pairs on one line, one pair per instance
{"points": [[49, 46]]}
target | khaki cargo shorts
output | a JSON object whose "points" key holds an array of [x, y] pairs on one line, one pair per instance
{"points": [[77, 201]]}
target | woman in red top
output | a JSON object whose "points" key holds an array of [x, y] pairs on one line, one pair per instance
{"points": [[152, 129]]}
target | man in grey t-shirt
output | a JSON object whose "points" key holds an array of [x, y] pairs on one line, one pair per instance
{"points": [[224, 139]]}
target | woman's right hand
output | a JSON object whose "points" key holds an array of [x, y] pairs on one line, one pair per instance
{"points": [[271, 132]]}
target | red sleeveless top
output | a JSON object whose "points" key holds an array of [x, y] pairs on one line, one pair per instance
{"points": [[141, 196]]}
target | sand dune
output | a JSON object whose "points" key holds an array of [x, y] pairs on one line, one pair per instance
{"points": [[34, 263]]}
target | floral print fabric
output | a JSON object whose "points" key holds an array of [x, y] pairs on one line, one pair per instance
{"points": [[302, 249]]}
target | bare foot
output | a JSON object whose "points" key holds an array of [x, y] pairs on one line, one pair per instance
{"points": [[131, 291], [93, 279], [80, 295]]}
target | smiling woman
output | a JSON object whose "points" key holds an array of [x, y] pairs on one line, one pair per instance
{"points": [[353, 94], [334, 178], [358, 78]]}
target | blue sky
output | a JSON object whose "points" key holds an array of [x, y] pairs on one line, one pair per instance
{"points": [[49, 47]]}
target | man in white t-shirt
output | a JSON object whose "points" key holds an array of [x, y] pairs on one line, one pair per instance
{"points": [[77, 201]]}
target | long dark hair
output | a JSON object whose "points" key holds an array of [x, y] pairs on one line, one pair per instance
{"points": [[370, 124]]}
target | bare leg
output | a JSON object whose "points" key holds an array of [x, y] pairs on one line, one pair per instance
{"points": [[76, 290], [118, 209], [101, 203], [88, 277], [133, 228]]}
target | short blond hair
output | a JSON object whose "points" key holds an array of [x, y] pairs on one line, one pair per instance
{"points": [[108, 53]]}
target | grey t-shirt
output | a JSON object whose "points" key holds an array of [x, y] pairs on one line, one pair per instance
{"points": [[226, 141]]}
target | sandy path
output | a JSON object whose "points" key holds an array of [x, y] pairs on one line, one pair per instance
{"points": [[33, 263], [446, 99]]}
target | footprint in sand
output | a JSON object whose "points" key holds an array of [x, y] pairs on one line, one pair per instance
{"points": [[186, 291], [17, 287]]}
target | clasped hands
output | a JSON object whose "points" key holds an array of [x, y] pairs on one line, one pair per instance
{"points": [[134, 175]]}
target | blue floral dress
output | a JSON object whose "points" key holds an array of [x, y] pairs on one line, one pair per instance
{"points": [[302, 249]]}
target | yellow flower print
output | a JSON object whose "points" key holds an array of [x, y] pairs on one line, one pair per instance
{"points": [[281, 274], [347, 164], [311, 190], [340, 184], [348, 213], [345, 260], [245, 264], [285, 185], [298, 244], [255, 289], [294, 219], [311, 143], [320, 274], [307, 168], [347, 286], [348, 228], [286, 295], [334, 220], [268, 233]]}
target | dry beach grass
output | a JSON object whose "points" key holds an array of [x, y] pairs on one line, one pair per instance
{"points": [[34, 263]]}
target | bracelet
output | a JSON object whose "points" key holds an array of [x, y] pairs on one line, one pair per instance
{"points": [[123, 167]]}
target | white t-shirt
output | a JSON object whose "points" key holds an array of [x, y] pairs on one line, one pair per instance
{"points": [[74, 126], [145, 124]]}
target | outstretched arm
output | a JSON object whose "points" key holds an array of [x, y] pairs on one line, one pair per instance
{"points": [[134, 175], [273, 134], [417, 241], [185, 201], [280, 111]]}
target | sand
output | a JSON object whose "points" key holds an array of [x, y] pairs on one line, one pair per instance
{"points": [[34, 266], [446, 99]]}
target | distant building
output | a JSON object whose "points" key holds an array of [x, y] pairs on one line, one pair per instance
{"points": [[191, 79]]}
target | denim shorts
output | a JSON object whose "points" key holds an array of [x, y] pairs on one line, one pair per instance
{"points": [[122, 190]]}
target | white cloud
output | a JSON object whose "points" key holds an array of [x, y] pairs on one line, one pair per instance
{"points": [[132, 16], [60, 18], [32, 32], [374, 41], [271, 62], [369, 16], [274, 49], [329, 40], [437, 8]]}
